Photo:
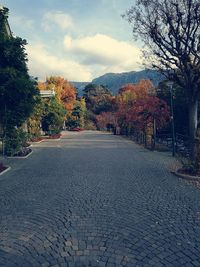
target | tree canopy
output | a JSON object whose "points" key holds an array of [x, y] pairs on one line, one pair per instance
{"points": [[98, 98], [65, 91], [17, 88], [170, 30]]}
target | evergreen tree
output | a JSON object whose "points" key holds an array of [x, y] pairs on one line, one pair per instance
{"points": [[17, 88]]}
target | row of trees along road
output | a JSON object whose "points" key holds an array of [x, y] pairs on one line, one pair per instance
{"points": [[20, 100], [170, 30], [135, 109], [64, 109]]}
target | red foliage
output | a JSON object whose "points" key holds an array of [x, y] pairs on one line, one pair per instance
{"points": [[106, 118], [53, 136], [138, 105], [145, 111], [77, 129]]}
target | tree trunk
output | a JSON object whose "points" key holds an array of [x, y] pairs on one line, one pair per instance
{"points": [[193, 108]]}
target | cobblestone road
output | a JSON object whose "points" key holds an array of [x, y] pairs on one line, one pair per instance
{"points": [[93, 199]]}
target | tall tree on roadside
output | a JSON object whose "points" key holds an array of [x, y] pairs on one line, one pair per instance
{"points": [[17, 88], [179, 106], [170, 30], [128, 95]]}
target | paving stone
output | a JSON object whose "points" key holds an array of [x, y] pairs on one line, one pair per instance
{"points": [[96, 200]]}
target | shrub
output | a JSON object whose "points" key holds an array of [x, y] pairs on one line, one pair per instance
{"points": [[191, 168], [89, 125], [14, 141]]}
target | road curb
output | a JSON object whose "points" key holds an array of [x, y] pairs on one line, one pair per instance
{"points": [[6, 170], [37, 142], [18, 157], [185, 176], [52, 139]]}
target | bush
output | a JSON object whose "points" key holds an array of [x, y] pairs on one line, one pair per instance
{"points": [[191, 168], [89, 125], [14, 141], [52, 123]]}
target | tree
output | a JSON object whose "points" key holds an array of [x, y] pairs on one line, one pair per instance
{"points": [[77, 117], [145, 111], [170, 30], [179, 106], [34, 121], [17, 89], [106, 120], [65, 91], [53, 116], [98, 98], [128, 95], [65, 94]]}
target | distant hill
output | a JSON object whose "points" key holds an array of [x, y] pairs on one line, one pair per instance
{"points": [[114, 81], [80, 86]]}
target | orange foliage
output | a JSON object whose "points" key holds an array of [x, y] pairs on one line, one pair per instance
{"points": [[145, 111], [138, 105], [68, 95], [65, 91], [41, 85], [136, 91], [106, 118]]}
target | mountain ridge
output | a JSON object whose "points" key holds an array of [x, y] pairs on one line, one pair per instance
{"points": [[114, 81]]}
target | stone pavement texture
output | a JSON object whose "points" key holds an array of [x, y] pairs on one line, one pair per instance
{"points": [[93, 199]]}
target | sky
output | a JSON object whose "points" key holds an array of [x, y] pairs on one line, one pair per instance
{"points": [[76, 39]]}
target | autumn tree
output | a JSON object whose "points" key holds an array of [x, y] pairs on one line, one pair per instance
{"points": [[145, 112], [65, 94], [65, 91], [106, 121], [170, 30], [127, 97], [139, 109]]}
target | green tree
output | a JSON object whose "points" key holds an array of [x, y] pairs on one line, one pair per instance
{"points": [[179, 105], [170, 30], [77, 117], [17, 88], [96, 97], [53, 116], [34, 121]]}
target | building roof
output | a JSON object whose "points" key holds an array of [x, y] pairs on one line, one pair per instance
{"points": [[47, 93]]}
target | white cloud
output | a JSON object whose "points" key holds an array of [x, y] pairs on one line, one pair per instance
{"points": [[86, 58], [56, 18], [105, 51], [43, 64], [22, 22]]}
